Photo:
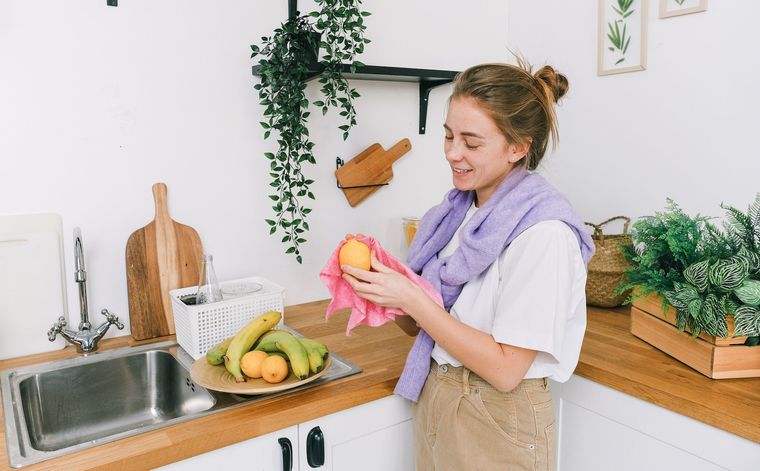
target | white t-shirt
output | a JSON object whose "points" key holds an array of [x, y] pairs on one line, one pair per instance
{"points": [[533, 296]]}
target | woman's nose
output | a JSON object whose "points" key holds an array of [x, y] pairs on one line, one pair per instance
{"points": [[452, 152]]}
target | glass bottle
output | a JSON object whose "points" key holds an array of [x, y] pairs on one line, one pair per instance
{"points": [[208, 288]]}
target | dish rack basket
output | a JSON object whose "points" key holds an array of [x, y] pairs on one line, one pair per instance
{"points": [[201, 327]]}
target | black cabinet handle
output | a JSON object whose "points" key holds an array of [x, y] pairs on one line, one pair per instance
{"points": [[315, 447], [287, 454]]}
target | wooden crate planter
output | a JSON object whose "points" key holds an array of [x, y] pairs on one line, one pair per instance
{"points": [[717, 358]]}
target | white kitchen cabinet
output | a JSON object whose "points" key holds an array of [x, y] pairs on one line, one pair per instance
{"points": [[264, 453], [373, 436], [601, 428]]}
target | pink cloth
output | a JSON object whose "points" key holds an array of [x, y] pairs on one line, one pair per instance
{"points": [[364, 312]]}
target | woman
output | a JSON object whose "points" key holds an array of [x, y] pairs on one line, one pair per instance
{"points": [[508, 255]]}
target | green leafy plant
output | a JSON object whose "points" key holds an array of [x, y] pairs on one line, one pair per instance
{"points": [[287, 59], [665, 244], [705, 273], [283, 69], [342, 25]]}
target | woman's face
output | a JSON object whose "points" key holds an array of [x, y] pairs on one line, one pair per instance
{"points": [[478, 153]]}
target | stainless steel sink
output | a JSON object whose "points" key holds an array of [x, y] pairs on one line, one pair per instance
{"points": [[77, 404], [59, 407]]}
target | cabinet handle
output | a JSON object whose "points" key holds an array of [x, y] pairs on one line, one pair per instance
{"points": [[287, 454], [315, 447]]}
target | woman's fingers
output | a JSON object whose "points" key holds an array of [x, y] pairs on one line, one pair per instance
{"points": [[358, 235], [377, 266], [358, 273], [359, 286]]}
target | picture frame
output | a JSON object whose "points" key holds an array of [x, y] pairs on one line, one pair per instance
{"points": [[671, 8], [622, 36]]}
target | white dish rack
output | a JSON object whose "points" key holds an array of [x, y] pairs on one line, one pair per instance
{"points": [[200, 327]]}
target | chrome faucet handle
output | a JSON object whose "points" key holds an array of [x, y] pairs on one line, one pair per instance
{"points": [[57, 328], [112, 319]]}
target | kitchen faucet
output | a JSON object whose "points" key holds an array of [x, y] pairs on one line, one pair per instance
{"points": [[85, 338]]}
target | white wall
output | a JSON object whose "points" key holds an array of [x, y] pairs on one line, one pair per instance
{"points": [[98, 103], [684, 128]]}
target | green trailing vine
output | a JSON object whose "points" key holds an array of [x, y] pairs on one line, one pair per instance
{"points": [[704, 272], [287, 59], [282, 91], [341, 23]]}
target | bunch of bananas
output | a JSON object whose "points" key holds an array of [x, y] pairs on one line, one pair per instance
{"points": [[306, 356]]}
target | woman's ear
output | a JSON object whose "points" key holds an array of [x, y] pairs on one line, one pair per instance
{"points": [[518, 151]]}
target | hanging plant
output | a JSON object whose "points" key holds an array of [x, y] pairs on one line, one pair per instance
{"points": [[282, 91], [287, 59], [342, 26]]}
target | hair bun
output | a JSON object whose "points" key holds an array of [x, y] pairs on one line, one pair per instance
{"points": [[554, 82]]}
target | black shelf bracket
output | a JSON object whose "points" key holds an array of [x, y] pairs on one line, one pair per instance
{"points": [[425, 87]]}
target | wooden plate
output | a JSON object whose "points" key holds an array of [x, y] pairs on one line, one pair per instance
{"points": [[218, 378]]}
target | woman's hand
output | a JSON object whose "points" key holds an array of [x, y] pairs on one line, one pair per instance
{"points": [[383, 286]]}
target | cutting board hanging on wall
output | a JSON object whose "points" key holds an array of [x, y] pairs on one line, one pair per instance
{"points": [[32, 283], [161, 256], [369, 171]]}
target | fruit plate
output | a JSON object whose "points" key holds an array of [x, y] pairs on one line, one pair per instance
{"points": [[217, 378]]}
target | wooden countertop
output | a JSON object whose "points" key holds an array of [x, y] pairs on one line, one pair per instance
{"points": [[379, 351], [610, 356]]}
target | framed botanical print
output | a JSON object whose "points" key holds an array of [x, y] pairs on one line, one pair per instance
{"points": [[622, 39], [670, 8]]}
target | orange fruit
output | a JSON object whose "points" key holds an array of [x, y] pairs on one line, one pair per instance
{"points": [[355, 254], [274, 369], [251, 363]]}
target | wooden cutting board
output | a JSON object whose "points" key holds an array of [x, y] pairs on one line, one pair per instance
{"points": [[161, 256], [369, 170]]}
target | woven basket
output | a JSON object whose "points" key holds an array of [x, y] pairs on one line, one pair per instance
{"points": [[607, 267]]}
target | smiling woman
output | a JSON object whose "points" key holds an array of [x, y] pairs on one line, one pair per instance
{"points": [[507, 253]]}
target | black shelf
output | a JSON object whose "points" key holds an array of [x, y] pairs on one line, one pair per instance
{"points": [[427, 78]]}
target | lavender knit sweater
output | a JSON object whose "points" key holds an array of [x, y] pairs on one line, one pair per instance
{"points": [[521, 200]]}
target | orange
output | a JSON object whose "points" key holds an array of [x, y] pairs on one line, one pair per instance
{"points": [[355, 253], [274, 369], [251, 363]]}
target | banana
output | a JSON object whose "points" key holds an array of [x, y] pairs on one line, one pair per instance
{"points": [[280, 354], [283, 341], [215, 356], [244, 340], [317, 353], [314, 344]]}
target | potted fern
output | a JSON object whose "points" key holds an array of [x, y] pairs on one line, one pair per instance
{"points": [[692, 275], [287, 59]]}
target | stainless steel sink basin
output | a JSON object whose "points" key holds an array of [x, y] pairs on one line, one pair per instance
{"points": [[74, 405], [59, 407]]}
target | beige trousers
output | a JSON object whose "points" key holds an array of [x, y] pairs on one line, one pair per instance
{"points": [[462, 423]]}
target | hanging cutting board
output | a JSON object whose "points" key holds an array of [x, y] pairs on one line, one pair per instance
{"points": [[161, 256], [369, 170], [33, 283]]}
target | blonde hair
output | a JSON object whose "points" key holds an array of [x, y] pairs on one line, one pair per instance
{"points": [[520, 103]]}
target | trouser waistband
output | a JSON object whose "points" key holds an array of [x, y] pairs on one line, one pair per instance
{"points": [[470, 380]]}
